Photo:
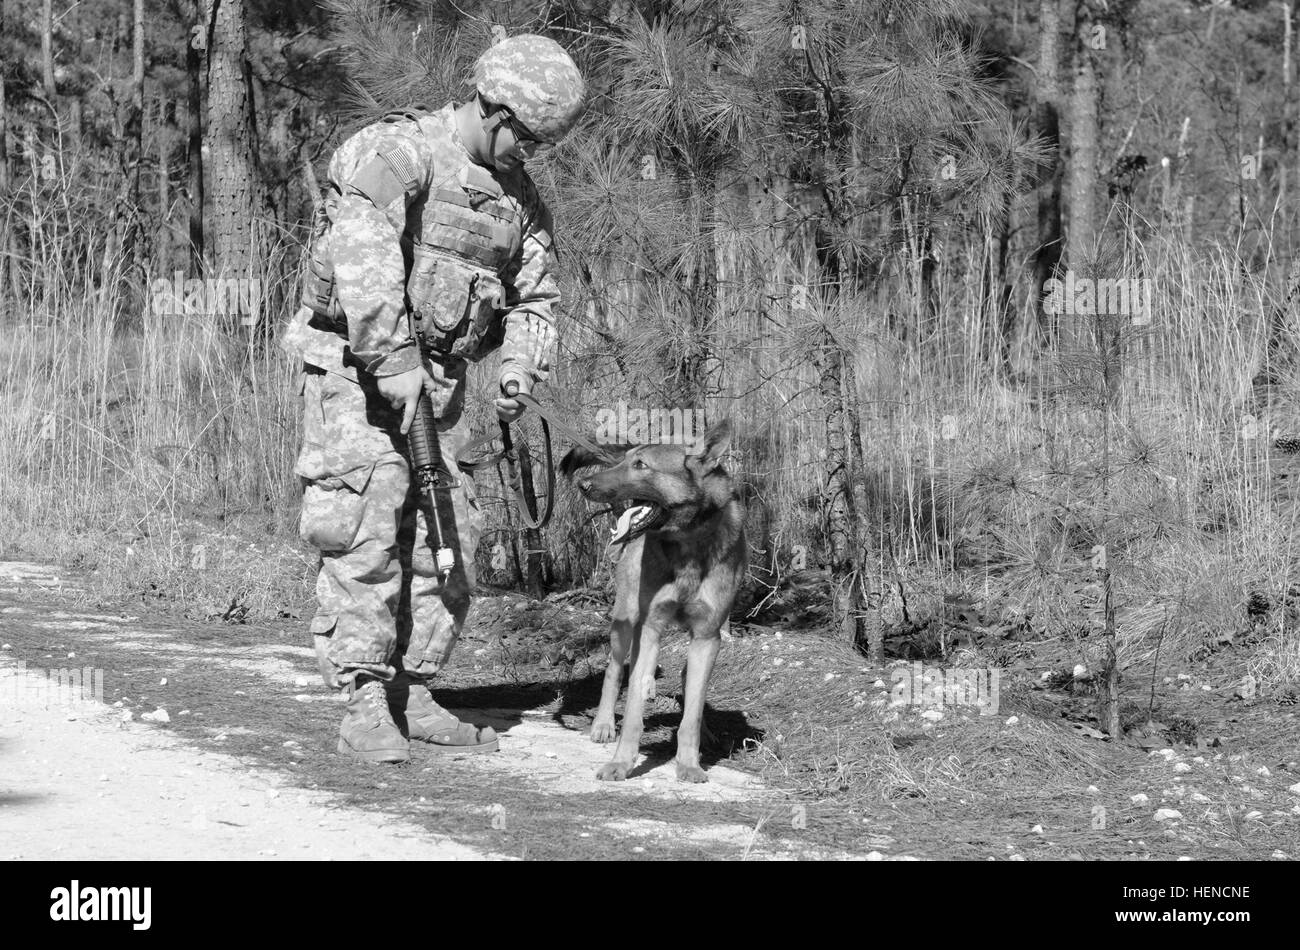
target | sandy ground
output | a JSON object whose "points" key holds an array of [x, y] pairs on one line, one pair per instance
{"points": [[83, 780], [78, 783]]}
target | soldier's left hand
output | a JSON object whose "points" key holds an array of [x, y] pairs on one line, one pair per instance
{"points": [[508, 408]]}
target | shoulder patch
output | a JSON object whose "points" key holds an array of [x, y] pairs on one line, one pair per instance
{"points": [[401, 165], [385, 178]]}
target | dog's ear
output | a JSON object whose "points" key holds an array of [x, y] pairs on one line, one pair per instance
{"points": [[576, 458], [582, 457], [707, 454]]}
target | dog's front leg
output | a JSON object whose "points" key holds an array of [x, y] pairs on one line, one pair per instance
{"points": [[699, 667], [621, 635], [629, 740]]}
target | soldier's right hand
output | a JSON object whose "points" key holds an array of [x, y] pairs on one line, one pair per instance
{"points": [[403, 391]]}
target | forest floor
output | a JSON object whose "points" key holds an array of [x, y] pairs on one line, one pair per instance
{"points": [[813, 757]]}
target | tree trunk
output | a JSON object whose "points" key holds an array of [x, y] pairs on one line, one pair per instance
{"points": [[6, 233], [47, 50], [1083, 144], [1048, 89], [841, 519], [237, 193], [162, 141], [129, 210], [194, 152]]}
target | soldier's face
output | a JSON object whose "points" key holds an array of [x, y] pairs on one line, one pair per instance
{"points": [[510, 143]]}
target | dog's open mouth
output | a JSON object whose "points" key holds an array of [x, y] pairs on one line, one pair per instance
{"points": [[636, 520]]}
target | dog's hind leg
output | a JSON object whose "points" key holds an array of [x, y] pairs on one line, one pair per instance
{"points": [[700, 656], [629, 740], [621, 636]]}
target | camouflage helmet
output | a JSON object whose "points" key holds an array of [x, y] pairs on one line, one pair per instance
{"points": [[534, 78]]}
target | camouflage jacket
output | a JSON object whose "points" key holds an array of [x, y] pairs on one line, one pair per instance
{"points": [[415, 227]]}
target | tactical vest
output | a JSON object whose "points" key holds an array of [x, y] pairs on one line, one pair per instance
{"points": [[460, 237]]}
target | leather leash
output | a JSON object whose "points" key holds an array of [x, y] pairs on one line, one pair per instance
{"points": [[519, 461]]}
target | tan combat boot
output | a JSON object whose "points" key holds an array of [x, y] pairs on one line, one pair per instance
{"points": [[368, 732], [413, 707]]}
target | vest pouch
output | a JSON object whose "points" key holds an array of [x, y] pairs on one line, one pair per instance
{"points": [[319, 293], [441, 295], [487, 298]]}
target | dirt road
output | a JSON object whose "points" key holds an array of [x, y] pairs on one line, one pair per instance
{"points": [[217, 744]]}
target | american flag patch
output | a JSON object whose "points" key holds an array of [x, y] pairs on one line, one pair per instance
{"points": [[401, 165]]}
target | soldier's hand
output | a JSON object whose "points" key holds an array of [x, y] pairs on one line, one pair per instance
{"points": [[403, 391], [508, 408]]}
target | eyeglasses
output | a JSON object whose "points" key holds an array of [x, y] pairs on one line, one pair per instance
{"points": [[525, 141]]}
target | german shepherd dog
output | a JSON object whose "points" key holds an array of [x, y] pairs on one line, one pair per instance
{"points": [[682, 564]]}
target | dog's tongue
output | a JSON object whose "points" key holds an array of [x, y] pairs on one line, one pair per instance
{"points": [[628, 520]]}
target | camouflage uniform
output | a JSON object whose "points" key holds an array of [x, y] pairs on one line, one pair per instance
{"points": [[414, 225]]}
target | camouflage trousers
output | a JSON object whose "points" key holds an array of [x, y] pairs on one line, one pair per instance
{"points": [[381, 603]]}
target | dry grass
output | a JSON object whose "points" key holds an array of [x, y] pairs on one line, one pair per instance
{"points": [[157, 451]]}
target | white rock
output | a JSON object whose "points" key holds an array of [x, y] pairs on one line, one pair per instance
{"points": [[1139, 799], [1080, 670], [1294, 789], [1169, 754], [1199, 799], [158, 715], [1263, 770], [1252, 815], [879, 684], [1167, 814], [1182, 767], [301, 681], [1036, 830], [1012, 720], [933, 715], [163, 681], [1093, 790], [1279, 854], [875, 856]]}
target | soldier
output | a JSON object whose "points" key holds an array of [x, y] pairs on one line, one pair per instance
{"points": [[430, 216]]}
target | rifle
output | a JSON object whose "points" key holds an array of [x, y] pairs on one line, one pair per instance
{"points": [[426, 459]]}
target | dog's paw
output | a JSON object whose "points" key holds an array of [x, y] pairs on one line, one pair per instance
{"points": [[690, 773], [602, 731], [612, 772]]}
